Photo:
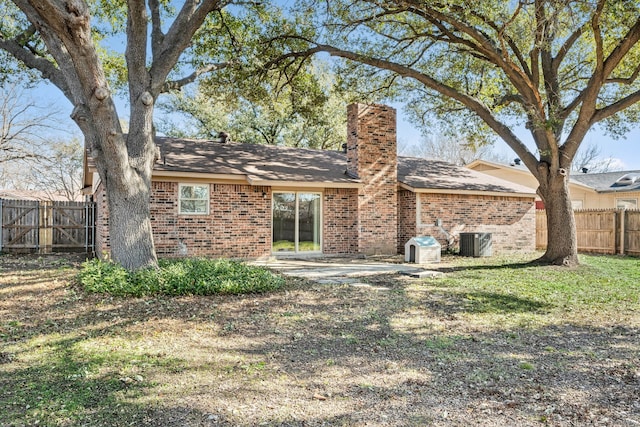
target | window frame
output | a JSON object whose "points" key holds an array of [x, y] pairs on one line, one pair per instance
{"points": [[297, 250], [181, 185], [623, 199]]}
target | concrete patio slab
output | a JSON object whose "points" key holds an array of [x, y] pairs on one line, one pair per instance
{"points": [[339, 270]]}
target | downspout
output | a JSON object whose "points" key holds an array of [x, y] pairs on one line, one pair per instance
{"points": [[1, 226], [450, 237]]}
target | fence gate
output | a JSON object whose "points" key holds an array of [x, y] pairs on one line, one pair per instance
{"points": [[632, 232], [31, 226], [20, 225]]}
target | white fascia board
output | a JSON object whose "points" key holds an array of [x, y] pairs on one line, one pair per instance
{"points": [[467, 192]]}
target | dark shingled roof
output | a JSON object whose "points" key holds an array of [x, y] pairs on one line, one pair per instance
{"points": [[606, 182], [436, 174], [265, 163], [256, 162]]}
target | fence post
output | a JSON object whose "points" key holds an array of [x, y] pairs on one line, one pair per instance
{"points": [[623, 212], [1, 226], [86, 227], [45, 228]]}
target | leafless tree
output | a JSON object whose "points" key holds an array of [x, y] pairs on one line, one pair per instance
{"points": [[58, 174], [449, 149], [589, 158], [24, 127]]}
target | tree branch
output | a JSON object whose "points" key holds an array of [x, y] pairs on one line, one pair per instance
{"points": [[471, 103], [604, 67], [157, 36], [626, 80], [626, 43], [616, 107], [31, 60], [566, 46], [177, 84], [136, 52], [177, 39], [518, 77]]}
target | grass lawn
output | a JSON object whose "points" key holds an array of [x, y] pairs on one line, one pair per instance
{"points": [[492, 342]]}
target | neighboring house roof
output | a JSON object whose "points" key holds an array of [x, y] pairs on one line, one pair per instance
{"points": [[520, 167], [606, 182], [600, 182], [420, 174], [35, 195]]}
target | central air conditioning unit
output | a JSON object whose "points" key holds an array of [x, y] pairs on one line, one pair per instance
{"points": [[475, 244]]}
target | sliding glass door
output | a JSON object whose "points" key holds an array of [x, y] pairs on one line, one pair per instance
{"points": [[296, 222]]}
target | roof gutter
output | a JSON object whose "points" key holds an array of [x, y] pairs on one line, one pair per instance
{"points": [[307, 184], [467, 192]]}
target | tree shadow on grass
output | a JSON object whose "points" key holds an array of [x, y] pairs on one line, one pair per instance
{"points": [[496, 303], [490, 265], [313, 355], [67, 385]]}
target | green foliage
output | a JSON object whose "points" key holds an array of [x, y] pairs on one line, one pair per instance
{"points": [[304, 111], [490, 54], [252, 97], [179, 277]]}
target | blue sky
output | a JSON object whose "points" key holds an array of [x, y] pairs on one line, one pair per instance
{"points": [[624, 152]]}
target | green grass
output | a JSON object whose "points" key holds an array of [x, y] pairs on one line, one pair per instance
{"points": [[287, 245], [68, 357], [506, 286], [179, 277], [65, 381]]}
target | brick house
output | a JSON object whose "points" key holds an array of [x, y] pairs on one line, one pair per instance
{"points": [[211, 198]]}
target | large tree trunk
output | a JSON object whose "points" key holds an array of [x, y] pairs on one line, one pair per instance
{"points": [[130, 231], [125, 164], [562, 245]]}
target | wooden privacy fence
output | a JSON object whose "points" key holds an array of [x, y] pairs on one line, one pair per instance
{"points": [[607, 231], [32, 226]]}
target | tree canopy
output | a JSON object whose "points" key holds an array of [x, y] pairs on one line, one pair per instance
{"points": [[559, 67], [262, 108], [166, 46]]}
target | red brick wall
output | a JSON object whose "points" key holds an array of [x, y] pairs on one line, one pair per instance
{"points": [[510, 220], [238, 224], [340, 215], [406, 217], [372, 157], [102, 247]]}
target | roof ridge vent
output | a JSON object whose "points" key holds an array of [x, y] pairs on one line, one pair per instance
{"points": [[628, 179]]}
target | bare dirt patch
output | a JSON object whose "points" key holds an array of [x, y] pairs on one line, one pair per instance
{"points": [[395, 351]]}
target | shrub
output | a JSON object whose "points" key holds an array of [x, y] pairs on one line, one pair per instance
{"points": [[179, 277]]}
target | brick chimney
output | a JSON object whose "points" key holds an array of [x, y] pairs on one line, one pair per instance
{"points": [[372, 157]]}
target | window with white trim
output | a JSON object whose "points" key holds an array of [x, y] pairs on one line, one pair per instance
{"points": [[193, 199], [627, 203]]}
